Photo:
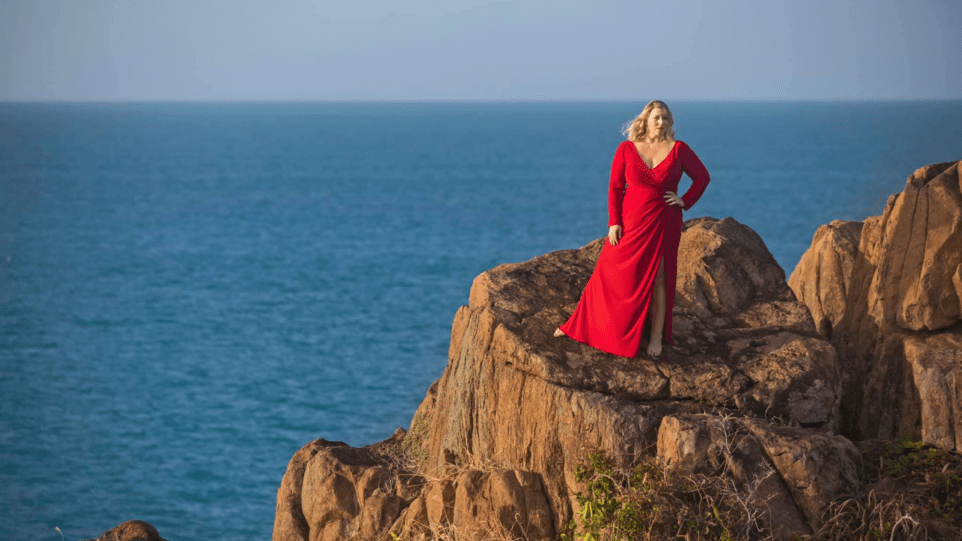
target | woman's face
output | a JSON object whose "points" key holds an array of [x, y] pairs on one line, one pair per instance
{"points": [[657, 122]]}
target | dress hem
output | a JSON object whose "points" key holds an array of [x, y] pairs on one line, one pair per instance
{"points": [[670, 343], [600, 349]]}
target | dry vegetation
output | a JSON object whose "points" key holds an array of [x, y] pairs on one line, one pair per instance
{"points": [[407, 460], [915, 493], [647, 501]]}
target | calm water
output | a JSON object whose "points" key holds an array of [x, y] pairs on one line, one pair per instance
{"points": [[194, 291]]}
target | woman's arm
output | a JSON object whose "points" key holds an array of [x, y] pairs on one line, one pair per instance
{"points": [[616, 188], [693, 167]]}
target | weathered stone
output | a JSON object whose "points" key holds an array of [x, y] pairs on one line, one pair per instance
{"points": [[713, 445], [791, 474], [413, 521], [131, 530], [794, 377], [818, 468], [821, 278], [890, 303], [334, 491], [378, 514], [439, 499]]}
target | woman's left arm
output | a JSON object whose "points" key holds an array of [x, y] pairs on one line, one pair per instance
{"points": [[693, 167]]}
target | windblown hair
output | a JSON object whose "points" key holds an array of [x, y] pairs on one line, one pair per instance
{"points": [[637, 129]]}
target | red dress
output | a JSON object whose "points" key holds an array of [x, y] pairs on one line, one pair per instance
{"points": [[614, 306]]}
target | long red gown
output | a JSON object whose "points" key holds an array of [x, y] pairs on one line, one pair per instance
{"points": [[614, 306]]}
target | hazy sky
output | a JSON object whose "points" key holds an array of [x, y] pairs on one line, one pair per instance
{"points": [[476, 49]]}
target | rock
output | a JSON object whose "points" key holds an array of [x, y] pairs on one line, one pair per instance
{"points": [[713, 445], [332, 491], [476, 504], [721, 266], [131, 530], [922, 251], [821, 278], [514, 394], [790, 474], [890, 303], [499, 435], [818, 468]]}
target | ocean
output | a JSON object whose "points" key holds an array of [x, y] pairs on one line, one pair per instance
{"points": [[190, 292]]}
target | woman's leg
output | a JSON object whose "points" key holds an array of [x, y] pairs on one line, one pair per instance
{"points": [[657, 311]]}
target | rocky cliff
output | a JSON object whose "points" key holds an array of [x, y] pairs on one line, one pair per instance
{"points": [[888, 293], [750, 385], [768, 386]]}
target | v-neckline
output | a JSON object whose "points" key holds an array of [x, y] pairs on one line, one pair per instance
{"points": [[640, 157]]}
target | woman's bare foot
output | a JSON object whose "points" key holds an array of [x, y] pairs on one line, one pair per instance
{"points": [[557, 333], [654, 347]]}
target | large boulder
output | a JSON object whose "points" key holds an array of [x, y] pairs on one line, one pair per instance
{"points": [[823, 276], [887, 293], [789, 474], [333, 491]]}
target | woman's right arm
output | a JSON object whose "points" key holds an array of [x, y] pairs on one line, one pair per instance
{"points": [[616, 195], [616, 187]]}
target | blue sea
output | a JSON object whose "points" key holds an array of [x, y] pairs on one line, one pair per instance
{"points": [[190, 292]]}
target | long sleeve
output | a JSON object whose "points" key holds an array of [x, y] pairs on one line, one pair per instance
{"points": [[693, 167], [616, 188]]}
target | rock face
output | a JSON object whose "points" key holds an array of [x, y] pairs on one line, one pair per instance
{"points": [[887, 293], [795, 471], [332, 491], [516, 410], [823, 276]]}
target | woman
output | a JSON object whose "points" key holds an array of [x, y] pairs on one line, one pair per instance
{"points": [[637, 266]]}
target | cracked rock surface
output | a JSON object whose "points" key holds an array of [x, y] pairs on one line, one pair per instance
{"points": [[888, 293]]}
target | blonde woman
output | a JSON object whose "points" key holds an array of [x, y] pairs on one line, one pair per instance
{"points": [[634, 277]]}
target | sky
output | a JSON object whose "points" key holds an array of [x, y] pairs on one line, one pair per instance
{"points": [[426, 50]]}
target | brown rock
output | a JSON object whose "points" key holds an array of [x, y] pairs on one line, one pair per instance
{"points": [[516, 409], [497, 502], [477, 504], [413, 521], [821, 278], [890, 303], [818, 468], [936, 363], [439, 499], [515, 395], [721, 266], [794, 377], [334, 491], [132, 530], [922, 250], [791, 474], [378, 514], [713, 445]]}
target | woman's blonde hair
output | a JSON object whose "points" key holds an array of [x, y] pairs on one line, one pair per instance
{"points": [[636, 129]]}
